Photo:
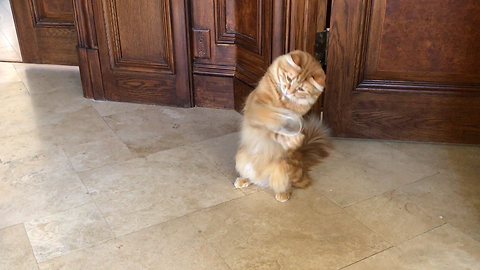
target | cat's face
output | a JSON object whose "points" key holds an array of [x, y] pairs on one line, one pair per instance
{"points": [[301, 79]]}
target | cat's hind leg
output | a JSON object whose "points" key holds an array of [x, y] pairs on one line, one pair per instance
{"points": [[302, 182], [244, 167], [280, 182]]}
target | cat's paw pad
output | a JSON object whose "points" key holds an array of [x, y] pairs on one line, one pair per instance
{"points": [[242, 183], [282, 197]]}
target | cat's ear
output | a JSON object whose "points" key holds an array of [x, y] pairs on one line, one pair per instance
{"points": [[318, 83], [294, 60]]}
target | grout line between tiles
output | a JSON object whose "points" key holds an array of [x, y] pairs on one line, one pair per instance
{"points": [[366, 226], [11, 45], [226, 177], [98, 208], [30, 244], [427, 231], [391, 245], [28, 238], [421, 179], [366, 257], [380, 194], [54, 213], [10, 226], [319, 191], [128, 234], [103, 217], [206, 241], [88, 192], [103, 118], [184, 215], [181, 145], [79, 249], [405, 240]]}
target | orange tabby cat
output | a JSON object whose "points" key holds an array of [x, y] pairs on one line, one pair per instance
{"points": [[278, 147]]}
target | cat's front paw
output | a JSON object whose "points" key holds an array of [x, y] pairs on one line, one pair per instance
{"points": [[283, 196], [242, 183]]}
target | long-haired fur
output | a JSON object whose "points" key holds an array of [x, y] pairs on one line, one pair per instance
{"points": [[267, 156], [316, 144]]}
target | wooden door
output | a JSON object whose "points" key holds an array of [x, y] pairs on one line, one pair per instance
{"points": [[213, 47], [141, 51], [269, 29], [234, 42], [45, 31], [232, 47], [404, 70], [134, 51]]}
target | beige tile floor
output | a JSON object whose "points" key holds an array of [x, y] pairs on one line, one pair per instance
{"points": [[102, 185]]}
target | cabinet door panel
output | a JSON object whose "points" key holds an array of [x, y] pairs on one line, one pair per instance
{"points": [[253, 33], [143, 51], [46, 31], [400, 70]]}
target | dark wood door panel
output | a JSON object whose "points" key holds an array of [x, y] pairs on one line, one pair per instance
{"points": [[213, 42], [46, 31], [252, 23], [53, 11], [432, 41], [428, 117], [253, 33], [396, 72], [214, 61], [145, 47], [240, 40], [57, 45], [230, 39], [143, 51], [147, 88]]}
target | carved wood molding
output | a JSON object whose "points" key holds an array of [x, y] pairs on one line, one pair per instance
{"points": [[119, 60], [214, 70], [246, 25], [418, 87], [85, 26], [223, 16], [304, 18], [222, 33], [255, 43], [386, 29], [253, 58], [89, 59], [344, 71], [43, 18]]}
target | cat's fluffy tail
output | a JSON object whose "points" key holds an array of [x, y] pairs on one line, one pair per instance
{"points": [[316, 144]]}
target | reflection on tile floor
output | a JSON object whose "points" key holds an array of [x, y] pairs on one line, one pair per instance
{"points": [[103, 185], [9, 48]]}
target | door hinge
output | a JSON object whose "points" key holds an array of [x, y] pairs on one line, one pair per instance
{"points": [[321, 46]]}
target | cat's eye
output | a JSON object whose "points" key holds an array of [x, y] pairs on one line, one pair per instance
{"points": [[300, 89], [289, 79]]}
